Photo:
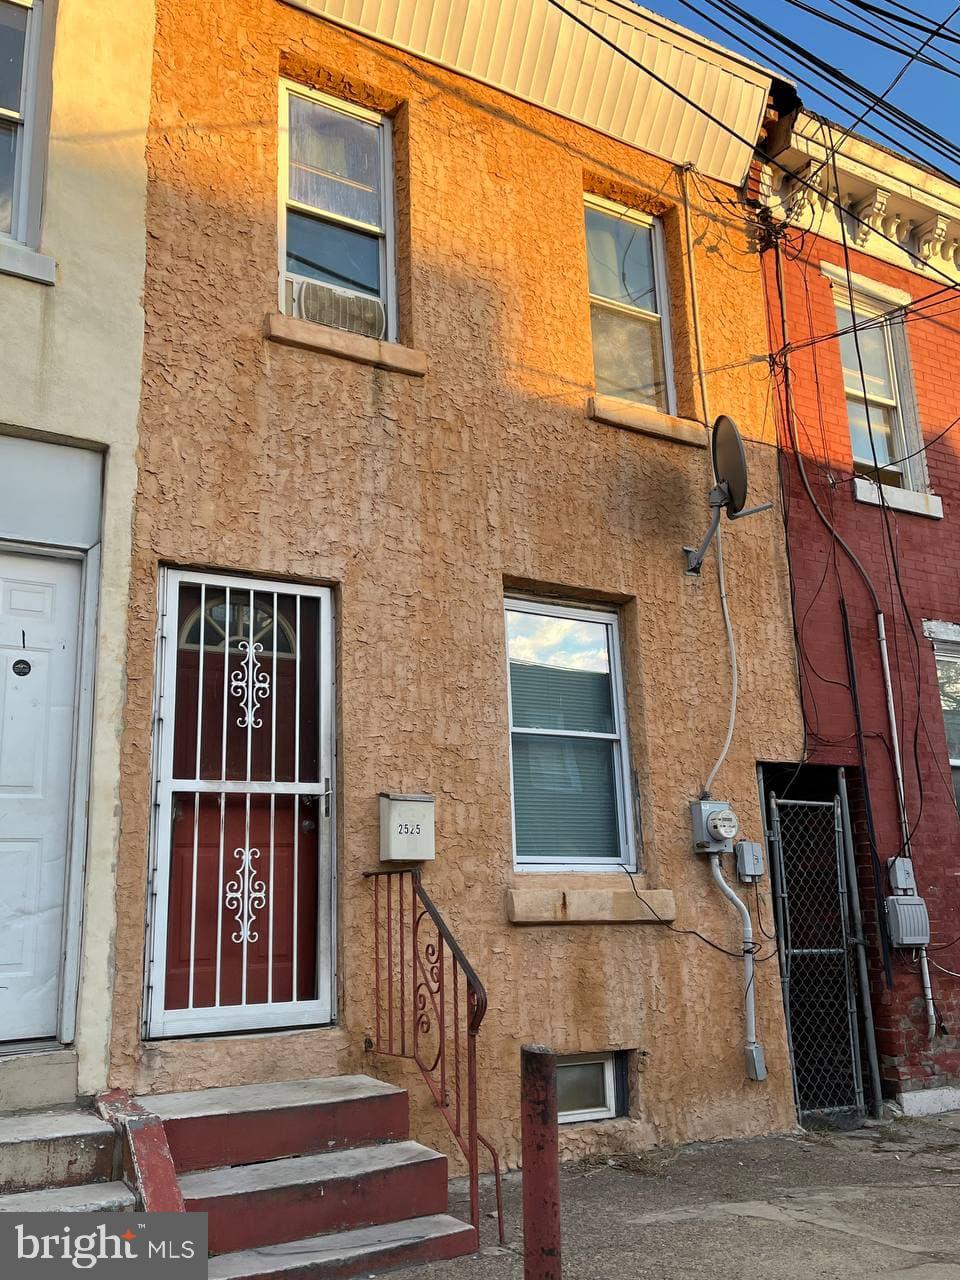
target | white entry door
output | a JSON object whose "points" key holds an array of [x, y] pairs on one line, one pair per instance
{"points": [[39, 628]]}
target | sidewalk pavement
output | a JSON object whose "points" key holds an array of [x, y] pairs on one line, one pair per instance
{"points": [[879, 1203]]}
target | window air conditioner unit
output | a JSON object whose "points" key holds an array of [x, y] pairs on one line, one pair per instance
{"points": [[323, 304]]}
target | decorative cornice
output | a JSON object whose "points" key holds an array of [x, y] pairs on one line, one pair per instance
{"points": [[893, 209]]}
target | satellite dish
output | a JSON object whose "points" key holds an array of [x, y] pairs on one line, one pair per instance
{"points": [[730, 462], [730, 485]]}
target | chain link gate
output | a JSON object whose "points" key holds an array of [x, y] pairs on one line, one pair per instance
{"points": [[816, 951]]}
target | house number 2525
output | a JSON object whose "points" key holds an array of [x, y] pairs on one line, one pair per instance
{"points": [[408, 828]]}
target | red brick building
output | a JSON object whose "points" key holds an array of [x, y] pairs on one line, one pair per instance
{"points": [[870, 489]]}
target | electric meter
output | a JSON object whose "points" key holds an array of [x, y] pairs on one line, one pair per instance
{"points": [[722, 824], [715, 826]]}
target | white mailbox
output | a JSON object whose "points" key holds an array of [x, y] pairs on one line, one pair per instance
{"points": [[406, 828]]}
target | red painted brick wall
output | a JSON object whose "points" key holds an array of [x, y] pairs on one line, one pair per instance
{"points": [[928, 554]]}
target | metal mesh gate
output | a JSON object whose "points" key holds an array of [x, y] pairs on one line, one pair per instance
{"points": [[816, 957]]}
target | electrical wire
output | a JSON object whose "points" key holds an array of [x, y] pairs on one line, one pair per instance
{"points": [[752, 146], [887, 38], [721, 577], [832, 76], [752, 950]]}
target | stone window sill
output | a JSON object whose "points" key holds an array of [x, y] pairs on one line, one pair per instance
{"points": [[291, 332], [613, 412], [20, 260], [908, 500], [590, 906]]}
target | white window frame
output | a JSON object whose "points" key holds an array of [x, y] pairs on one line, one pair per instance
{"points": [[387, 233], [869, 300], [611, 207], [25, 222], [622, 772], [606, 1112], [950, 651]]}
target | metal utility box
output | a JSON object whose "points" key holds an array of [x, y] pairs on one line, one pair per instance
{"points": [[902, 879], [908, 921], [715, 826], [749, 860], [407, 832]]}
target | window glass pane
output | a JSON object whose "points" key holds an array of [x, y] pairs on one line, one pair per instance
{"points": [[948, 673], [874, 353], [559, 673], [334, 162], [565, 797], [334, 254], [13, 32], [882, 425], [580, 1086], [8, 164], [628, 357], [620, 260]]}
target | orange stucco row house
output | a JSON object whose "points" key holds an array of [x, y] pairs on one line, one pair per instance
{"points": [[438, 304]]}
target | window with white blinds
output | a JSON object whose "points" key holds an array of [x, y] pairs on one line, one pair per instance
{"points": [[569, 757]]}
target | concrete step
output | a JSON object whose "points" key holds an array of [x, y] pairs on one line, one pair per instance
{"points": [[303, 1196], [97, 1197], [33, 1078], [209, 1128], [350, 1253], [54, 1149]]}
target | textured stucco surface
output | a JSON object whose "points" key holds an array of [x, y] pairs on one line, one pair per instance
{"points": [[420, 500], [70, 371]]}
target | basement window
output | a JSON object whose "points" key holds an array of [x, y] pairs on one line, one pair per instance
{"points": [[591, 1086]]}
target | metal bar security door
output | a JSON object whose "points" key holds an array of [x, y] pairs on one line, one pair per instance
{"points": [[242, 883]]}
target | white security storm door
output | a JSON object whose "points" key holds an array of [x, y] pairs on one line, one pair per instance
{"points": [[39, 630], [242, 930]]}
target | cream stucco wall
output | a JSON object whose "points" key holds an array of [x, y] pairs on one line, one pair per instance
{"points": [[70, 364], [421, 499]]}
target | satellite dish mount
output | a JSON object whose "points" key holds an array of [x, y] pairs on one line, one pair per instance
{"points": [[730, 490]]}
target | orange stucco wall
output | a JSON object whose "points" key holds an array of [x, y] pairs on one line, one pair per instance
{"points": [[418, 499]]}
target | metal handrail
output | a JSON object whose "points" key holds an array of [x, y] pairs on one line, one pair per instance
{"points": [[421, 1015]]}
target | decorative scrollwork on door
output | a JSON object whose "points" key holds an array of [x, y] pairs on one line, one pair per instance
{"points": [[250, 683], [245, 896]]}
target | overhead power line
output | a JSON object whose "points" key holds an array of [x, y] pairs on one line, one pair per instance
{"points": [[751, 145], [899, 76], [865, 99], [887, 37]]}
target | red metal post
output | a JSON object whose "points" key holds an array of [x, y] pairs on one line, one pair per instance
{"points": [[541, 1163]]}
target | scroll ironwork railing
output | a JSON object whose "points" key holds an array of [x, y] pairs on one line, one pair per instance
{"points": [[429, 1007]]}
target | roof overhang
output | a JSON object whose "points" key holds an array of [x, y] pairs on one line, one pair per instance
{"points": [[533, 51]]}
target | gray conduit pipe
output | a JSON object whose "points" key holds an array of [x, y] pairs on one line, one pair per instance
{"points": [[756, 1067]]}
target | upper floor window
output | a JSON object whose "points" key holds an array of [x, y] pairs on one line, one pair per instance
{"points": [[876, 379], [948, 676], [569, 758], [628, 304], [336, 214], [19, 56]]}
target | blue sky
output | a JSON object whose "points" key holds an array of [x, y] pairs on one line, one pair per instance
{"points": [[928, 94]]}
